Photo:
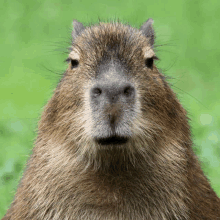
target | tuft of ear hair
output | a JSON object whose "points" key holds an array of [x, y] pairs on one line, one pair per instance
{"points": [[148, 31], [77, 29]]}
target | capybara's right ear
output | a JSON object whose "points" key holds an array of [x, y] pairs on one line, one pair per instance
{"points": [[77, 29]]}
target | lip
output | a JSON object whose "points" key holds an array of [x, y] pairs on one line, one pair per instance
{"points": [[112, 140]]}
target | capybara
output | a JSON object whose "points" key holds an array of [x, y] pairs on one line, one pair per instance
{"points": [[114, 142]]}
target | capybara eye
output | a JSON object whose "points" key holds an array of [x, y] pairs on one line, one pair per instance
{"points": [[149, 62], [74, 63]]}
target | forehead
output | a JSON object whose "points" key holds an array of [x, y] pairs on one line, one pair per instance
{"points": [[111, 39]]}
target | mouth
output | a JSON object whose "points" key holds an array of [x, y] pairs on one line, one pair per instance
{"points": [[113, 140]]}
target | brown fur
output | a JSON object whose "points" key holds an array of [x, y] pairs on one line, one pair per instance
{"points": [[155, 175]]}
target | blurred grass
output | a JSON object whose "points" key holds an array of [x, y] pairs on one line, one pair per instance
{"points": [[34, 35]]}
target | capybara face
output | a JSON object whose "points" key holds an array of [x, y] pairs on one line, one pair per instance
{"points": [[112, 95], [113, 67]]}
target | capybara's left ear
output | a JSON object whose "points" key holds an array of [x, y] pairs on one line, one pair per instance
{"points": [[148, 31]]}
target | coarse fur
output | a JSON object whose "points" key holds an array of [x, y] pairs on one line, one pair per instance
{"points": [[77, 173]]}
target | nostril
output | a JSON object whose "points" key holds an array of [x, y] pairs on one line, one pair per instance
{"points": [[96, 92], [128, 91]]}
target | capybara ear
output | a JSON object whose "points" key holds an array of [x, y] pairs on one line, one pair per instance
{"points": [[77, 29], [148, 31]]}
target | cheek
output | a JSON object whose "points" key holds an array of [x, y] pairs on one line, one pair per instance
{"points": [[152, 98]]}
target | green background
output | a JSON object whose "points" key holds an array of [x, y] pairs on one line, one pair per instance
{"points": [[34, 37]]}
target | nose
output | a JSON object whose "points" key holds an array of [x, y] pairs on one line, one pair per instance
{"points": [[112, 102], [113, 91]]}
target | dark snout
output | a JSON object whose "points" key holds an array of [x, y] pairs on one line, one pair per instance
{"points": [[112, 100]]}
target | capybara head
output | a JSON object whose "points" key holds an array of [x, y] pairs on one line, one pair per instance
{"points": [[113, 105]]}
